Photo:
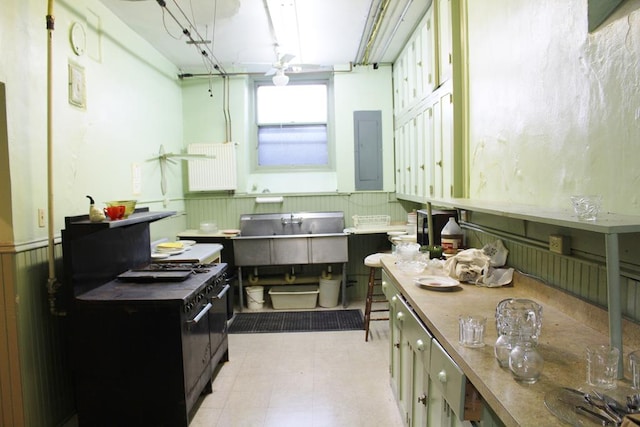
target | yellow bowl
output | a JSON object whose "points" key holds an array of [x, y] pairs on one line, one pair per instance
{"points": [[129, 205]]}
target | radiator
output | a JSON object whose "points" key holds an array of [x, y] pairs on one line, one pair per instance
{"points": [[216, 173]]}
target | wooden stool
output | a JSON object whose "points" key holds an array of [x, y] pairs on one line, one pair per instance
{"points": [[373, 262]]}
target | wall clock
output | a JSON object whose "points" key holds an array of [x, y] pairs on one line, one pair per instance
{"points": [[78, 38]]}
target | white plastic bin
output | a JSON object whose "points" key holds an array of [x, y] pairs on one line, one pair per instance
{"points": [[294, 296], [329, 291], [255, 297]]}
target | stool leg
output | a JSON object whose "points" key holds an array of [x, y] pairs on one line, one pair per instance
{"points": [[367, 309]]}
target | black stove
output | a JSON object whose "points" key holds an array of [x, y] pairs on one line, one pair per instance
{"points": [[157, 344]]}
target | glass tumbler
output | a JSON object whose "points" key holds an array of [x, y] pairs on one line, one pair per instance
{"points": [[602, 366], [634, 365], [471, 330]]}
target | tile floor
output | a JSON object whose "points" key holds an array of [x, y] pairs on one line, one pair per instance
{"points": [[314, 379]]}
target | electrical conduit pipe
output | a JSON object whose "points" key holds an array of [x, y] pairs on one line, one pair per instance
{"points": [[52, 283]]}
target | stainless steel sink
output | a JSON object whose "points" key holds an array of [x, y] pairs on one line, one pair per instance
{"points": [[291, 238], [293, 223], [294, 238]]}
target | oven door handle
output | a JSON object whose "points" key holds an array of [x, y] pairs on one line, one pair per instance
{"points": [[222, 292], [200, 315]]}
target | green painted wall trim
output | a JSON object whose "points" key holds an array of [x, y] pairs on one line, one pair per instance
{"points": [[599, 10]]}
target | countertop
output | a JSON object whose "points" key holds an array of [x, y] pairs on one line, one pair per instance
{"points": [[569, 325], [376, 230], [197, 233], [196, 253]]}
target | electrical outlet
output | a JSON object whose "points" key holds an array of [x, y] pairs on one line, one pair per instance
{"points": [[560, 244], [40, 217]]}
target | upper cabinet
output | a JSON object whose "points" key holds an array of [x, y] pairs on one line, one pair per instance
{"points": [[445, 41], [427, 139]]}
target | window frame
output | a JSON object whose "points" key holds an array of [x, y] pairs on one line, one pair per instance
{"points": [[294, 80]]}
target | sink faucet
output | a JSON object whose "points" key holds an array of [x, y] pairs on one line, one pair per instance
{"points": [[291, 220]]}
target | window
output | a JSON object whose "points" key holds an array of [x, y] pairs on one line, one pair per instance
{"points": [[292, 125]]}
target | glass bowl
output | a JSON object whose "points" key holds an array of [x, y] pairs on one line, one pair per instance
{"points": [[129, 205], [586, 207]]}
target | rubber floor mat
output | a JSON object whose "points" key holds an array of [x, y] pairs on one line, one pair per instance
{"points": [[296, 321]]}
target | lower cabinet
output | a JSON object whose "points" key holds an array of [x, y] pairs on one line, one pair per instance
{"points": [[429, 387]]}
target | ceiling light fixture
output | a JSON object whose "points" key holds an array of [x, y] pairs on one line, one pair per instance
{"points": [[280, 78]]}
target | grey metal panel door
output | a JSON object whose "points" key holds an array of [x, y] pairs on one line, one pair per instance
{"points": [[368, 149]]}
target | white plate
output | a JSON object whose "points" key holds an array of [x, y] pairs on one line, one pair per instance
{"points": [[230, 231], [436, 282], [187, 243], [170, 252], [396, 233], [159, 256]]}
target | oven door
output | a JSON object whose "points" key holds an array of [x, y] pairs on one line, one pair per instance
{"points": [[218, 317], [196, 347]]}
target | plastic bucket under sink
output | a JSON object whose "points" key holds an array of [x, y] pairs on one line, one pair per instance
{"points": [[329, 292], [255, 297]]}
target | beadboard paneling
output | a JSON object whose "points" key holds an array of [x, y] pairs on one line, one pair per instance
{"points": [[583, 278], [45, 375], [226, 210]]}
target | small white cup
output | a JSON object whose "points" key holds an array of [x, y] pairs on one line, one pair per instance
{"points": [[471, 330]]}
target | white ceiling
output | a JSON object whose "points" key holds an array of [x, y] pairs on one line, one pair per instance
{"points": [[241, 35]]}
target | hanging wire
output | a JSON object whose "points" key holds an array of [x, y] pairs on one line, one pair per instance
{"points": [[207, 55]]}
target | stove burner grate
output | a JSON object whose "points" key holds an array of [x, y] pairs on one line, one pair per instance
{"points": [[195, 268]]}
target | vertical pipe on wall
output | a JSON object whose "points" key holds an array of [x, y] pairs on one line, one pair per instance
{"points": [[52, 283], [613, 297]]}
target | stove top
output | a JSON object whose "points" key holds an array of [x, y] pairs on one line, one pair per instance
{"points": [[157, 283], [156, 272]]}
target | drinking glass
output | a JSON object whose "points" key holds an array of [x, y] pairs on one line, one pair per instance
{"points": [[602, 366], [471, 330]]}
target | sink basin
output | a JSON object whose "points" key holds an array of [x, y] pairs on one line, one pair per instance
{"points": [[291, 238]]}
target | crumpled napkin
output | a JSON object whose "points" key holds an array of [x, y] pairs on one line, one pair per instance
{"points": [[479, 266]]}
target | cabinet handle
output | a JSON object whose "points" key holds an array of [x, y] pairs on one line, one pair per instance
{"points": [[420, 345], [400, 316], [394, 298], [397, 345], [442, 376], [423, 399]]}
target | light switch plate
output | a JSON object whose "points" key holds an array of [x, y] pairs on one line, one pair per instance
{"points": [[77, 87]]}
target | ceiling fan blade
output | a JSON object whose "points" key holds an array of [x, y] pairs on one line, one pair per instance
{"points": [[163, 177], [286, 58], [271, 72]]}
